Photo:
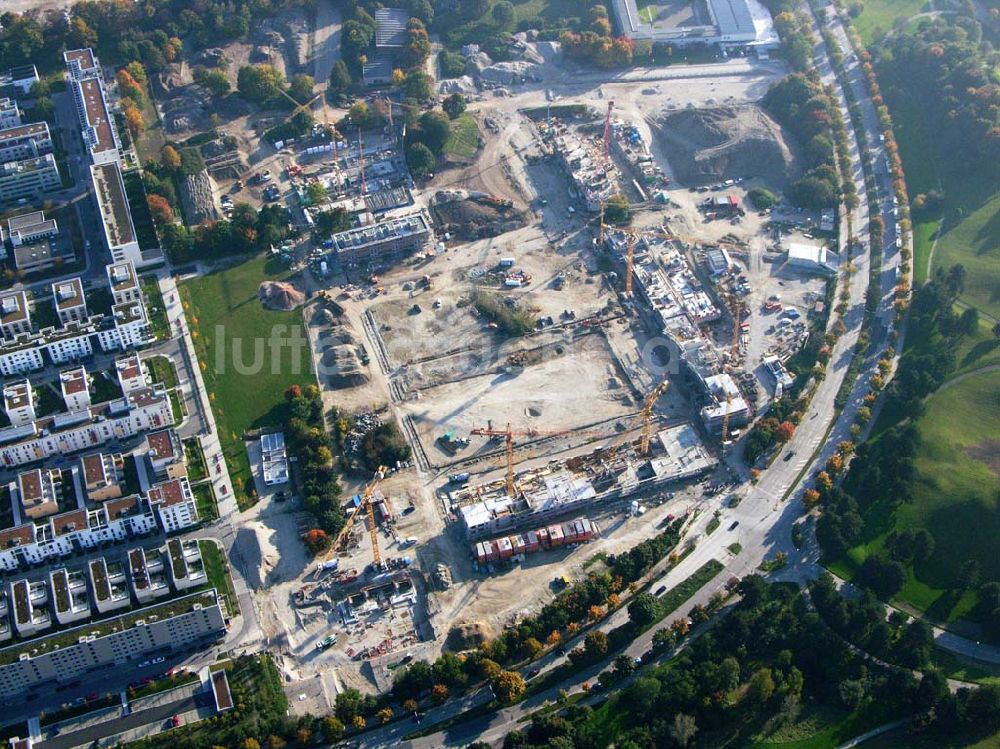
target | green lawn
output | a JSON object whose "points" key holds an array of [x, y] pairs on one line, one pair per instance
{"points": [[954, 667], [979, 350], [155, 308], [955, 498], [463, 141], [903, 739], [647, 11], [176, 406], [879, 16], [226, 318], [218, 576], [162, 370], [204, 499], [195, 460], [970, 232], [823, 727]]}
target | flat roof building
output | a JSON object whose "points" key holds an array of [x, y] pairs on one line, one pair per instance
{"points": [[75, 387], [274, 458], [70, 301], [21, 78], [103, 476], [25, 141], [97, 127], [116, 217], [123, 282], [15, 319], [81, 63], [19, 402], [390, 27], [28, 178], [813, 258], [30, 228], [382, 242], [39, 491], [10, 114]]}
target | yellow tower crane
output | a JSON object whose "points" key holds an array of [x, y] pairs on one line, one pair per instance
{"points": [[647, 415], [368, 507], [734, 348]]}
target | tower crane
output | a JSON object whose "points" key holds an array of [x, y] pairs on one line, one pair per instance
{"points": [[631, 240], [607, 162], [735, 304], [647, 415], [368, 507]]}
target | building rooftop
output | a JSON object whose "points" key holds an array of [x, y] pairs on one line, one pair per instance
{"points": [[111, 199], [121, 276], [732, 17], [74, 381], [162, 444], [167, 610], [415, 223], [13, 307], [168, 493], [85, 57], [24, 166], [69, 522], [97, 114], [69, 294], [17, 395], [23, 131], [121, 507], [390, 27]]}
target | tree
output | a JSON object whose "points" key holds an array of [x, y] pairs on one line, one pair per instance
{"points": [[453, 105], [420, 159], [359, 722], [333, 728], [316, 192], [663, 640], [503, 13], [472, 9], [439, 693], [303, 736], [419, 85], [761, 686], [595, 644], [532, 648], [359, 114], [509, 686], [432, 129], [617, 210], [385, 715], [171, 159], [259, 83], [884, 576], [624, 665], [301, 88], [784, 431], [215, 81], [923, 545], [969, 574], [276, 742], [683, 729], [249, 743], [160, 208], [644, 610], [410, 705], [316, 541], [340, 78], [761, 198]]}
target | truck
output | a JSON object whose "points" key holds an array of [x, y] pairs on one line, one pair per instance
{"points": [[328, 565], [326, 642], [458, 478]]}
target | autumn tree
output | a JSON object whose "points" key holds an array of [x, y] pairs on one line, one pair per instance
{"points": [[170, 158], [333, 728], [439, 693], [385, 715], [509, 686], [316, 541], [160, 208]]}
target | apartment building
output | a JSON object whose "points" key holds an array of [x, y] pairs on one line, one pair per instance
{"points": [[172, 626], [10, 115], [131, 328], [165, 454], [25, 141], [174, 504], [383, 242], [116, 217], [147, 571], [5, 631], [20, 78], [82, 63], [39, 492], [15, 319], [19, 403], [75, 387], [28, 179], [103, 476], [70, 301], [70, 595], [124, 283], [187, 570], [108, 585], [131, 375], [139, 411], [31, 607], [96, 124]]}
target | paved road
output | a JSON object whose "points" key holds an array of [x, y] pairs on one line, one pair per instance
{"points": [[326, 41]]}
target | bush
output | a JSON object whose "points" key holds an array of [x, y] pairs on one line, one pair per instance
{"points": [[384, 446], [510, 320], [452, 64], [761, 198]]}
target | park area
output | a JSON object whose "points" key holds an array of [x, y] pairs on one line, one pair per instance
{"points": [[954, 497], [244, 357]]}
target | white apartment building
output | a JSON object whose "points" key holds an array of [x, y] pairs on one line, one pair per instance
{"points": [[124, 283], [19, 402], [174, 504], [75, 389], [70, 301], [28, 178], [25, 141]]}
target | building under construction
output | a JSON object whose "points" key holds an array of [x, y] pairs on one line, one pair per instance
{"points": [[518, 545], [580, 483], [593, 176]]}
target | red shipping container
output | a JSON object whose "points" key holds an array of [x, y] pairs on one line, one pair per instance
{"points": [[556, 536], [506, 549]]}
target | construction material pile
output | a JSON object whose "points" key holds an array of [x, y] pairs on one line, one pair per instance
{"points": [[708, 145], [280, 295]]}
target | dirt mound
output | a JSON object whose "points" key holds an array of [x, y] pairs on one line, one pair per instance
{"points": [[280, 295], [466, 636], [708, 145], [477, 217]]}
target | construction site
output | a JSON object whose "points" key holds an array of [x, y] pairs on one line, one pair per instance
{"points": [[566, 383]]}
